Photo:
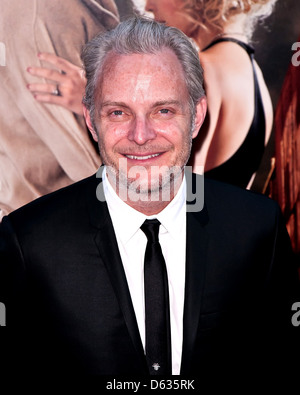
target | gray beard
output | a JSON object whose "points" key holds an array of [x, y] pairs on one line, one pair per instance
{"points": [[160, 187]]}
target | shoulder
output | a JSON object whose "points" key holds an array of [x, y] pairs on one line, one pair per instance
{"points": [[222, 194], [242, 219], [231, 206], [56, 208], [227, 75], [226, 61]]}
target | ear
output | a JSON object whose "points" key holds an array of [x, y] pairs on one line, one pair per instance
{"points": [[201, 109], [87, 116]]}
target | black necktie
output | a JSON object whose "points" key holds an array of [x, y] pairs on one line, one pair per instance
{"points": [[158, 333]]}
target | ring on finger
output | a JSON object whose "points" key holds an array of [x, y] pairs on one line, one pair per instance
{"points": [[56, 91]]}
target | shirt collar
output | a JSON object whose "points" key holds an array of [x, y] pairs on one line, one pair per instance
{"points": [[127, 221], [173, 216]]}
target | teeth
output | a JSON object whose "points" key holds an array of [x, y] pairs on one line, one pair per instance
{"points": [[142, 157]]}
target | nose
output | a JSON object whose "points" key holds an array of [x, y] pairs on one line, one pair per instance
{"points": [[141, 132]]}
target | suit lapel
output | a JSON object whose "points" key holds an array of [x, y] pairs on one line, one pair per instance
{"points": [[107, 245], [196, 251]]}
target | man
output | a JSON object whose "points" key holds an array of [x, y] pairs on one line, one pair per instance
{"points": [[75, 266]]}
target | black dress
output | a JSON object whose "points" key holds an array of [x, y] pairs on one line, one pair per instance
{"points": [[240, 167]]}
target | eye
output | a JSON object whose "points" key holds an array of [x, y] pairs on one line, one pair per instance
{"points": [[117, 115], [164, 111], [117, 112]]}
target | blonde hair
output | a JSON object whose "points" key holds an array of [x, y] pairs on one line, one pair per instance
{"points": [[218, 13]]}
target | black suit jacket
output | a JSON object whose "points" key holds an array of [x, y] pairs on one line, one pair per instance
{"points": [[69, 309]]}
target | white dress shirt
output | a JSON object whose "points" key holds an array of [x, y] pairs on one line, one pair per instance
{"points": [[132, 245]]}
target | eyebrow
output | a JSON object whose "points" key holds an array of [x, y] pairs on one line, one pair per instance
{"points": [[113, 103], [168, 103], [156, 104]]}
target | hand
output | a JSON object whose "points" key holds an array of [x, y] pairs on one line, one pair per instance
{"points": [[66, 86]]}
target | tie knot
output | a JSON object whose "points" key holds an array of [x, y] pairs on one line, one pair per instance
{"points": [[151, 228]]}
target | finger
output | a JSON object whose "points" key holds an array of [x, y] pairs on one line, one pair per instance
{"points": [[42, 88], [48, 74], [73, 105], [49, 98], [57, 61]]}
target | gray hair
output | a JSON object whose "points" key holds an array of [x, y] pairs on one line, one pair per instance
{"points": [[141, 35]]}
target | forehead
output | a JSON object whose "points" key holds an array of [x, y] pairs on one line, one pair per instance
{"points": [[152, 74]]}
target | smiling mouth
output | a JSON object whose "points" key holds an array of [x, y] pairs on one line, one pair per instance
{"points": [[144, 157]]}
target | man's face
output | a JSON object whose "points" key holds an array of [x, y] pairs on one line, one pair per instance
{"points": [[142, 117]]}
